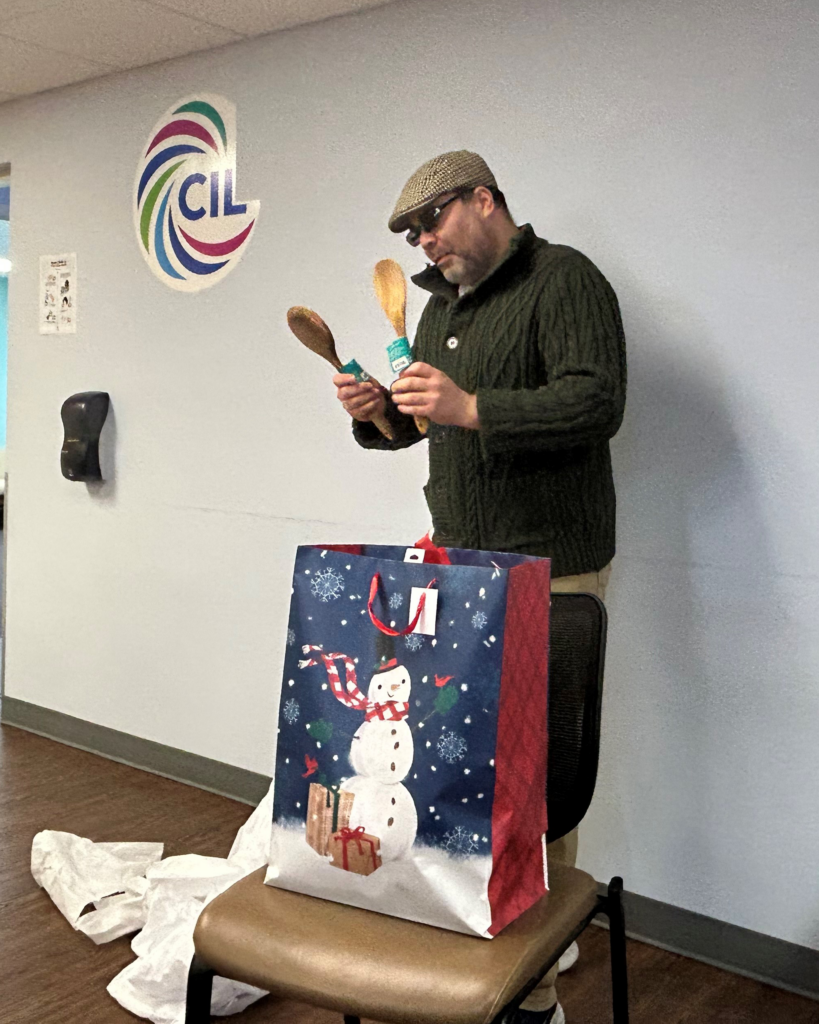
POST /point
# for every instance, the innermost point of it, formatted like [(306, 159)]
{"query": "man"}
[(520, 369)]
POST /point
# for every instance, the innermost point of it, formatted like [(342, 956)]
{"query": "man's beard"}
[(468, 270), (455, 270)]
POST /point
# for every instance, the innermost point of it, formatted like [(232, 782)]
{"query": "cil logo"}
[(191, 228)]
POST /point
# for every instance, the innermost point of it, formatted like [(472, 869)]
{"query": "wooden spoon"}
[(391, 289), (314, 334)]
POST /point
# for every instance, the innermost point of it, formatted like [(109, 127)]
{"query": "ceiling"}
[(48, 43)]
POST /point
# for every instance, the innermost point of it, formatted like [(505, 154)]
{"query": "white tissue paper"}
[(133, 890)]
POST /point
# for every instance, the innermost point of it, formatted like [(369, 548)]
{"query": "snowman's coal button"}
[(397, 745), (393, 732), (393, 801), (452, 342), (392, 767), (390, 821)]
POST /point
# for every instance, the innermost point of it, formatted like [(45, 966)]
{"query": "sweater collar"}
[(432, 280)]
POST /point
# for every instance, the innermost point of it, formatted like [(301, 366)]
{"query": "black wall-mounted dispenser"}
[(83, 417)]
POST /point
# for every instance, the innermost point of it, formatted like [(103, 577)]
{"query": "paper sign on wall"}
[(58, 294)]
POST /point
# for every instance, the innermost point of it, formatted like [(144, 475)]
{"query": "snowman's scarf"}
[(349, 694)]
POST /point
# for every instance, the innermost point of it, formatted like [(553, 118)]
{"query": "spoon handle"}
[(383, 425)]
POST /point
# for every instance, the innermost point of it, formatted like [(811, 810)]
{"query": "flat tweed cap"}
[(445, 173)]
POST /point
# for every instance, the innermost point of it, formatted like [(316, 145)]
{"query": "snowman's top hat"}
[(384, 653)]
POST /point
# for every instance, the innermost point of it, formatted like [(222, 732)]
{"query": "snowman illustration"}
[(381, 754), (381, 751)]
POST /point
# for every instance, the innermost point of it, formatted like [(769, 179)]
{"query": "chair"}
[(364, 964)]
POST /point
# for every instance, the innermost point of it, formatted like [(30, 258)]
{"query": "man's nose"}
[(428, 241)]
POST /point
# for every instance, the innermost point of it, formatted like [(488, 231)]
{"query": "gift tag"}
[(414, 555), (426, 620)]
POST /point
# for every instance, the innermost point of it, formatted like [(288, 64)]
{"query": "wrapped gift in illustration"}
[(353, 850), (328, 811)]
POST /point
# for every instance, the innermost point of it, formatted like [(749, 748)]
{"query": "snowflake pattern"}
[(479, 620), (396, 600), (414, 641), (291, 711), (451, 747), (459, 842), (327, 585), (291, 637)]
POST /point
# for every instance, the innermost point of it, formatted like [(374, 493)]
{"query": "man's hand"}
[(361, 400), (421, 390)]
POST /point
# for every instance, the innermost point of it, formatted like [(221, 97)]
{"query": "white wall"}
[(675, 144)]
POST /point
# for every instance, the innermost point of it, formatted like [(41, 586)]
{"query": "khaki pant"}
[(564, 851)]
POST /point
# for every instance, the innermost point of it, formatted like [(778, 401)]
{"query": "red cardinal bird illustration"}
[(312, 766), (442, 680)]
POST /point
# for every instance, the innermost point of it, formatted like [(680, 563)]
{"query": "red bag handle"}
[(387, 629)]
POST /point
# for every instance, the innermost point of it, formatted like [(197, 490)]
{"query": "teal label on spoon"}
[(399, 354), (355, 369)]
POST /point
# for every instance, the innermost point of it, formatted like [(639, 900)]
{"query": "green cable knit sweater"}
[(540, 342)]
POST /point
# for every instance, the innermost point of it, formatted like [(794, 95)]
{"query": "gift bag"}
[(411, 762)]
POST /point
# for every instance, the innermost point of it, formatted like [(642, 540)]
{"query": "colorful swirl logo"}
[(191, 230)]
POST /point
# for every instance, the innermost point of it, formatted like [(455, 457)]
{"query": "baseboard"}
[(740, 950), (180, 765), (727, 946)]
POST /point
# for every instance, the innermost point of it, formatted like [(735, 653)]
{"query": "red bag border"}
[(518, 827)]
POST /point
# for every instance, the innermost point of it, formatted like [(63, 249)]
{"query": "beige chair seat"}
[(369, 965)]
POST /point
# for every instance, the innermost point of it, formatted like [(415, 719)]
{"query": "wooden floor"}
[(51, 973)]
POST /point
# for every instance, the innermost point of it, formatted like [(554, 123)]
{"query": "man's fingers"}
[(361, 402), (406, 385), (347, 380), (346, 392), (413, 401), (412, 410), (418, 370)]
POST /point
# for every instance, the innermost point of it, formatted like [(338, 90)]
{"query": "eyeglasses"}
[(428, 219)]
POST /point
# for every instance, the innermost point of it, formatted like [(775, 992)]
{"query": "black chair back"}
[(577, 647)]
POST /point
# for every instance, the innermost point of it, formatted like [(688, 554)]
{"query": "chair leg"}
[(200, 985), (617, 934)]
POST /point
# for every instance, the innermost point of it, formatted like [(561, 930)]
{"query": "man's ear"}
[(486, 201)]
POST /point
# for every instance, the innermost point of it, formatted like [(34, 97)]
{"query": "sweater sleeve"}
[(582, 348)]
